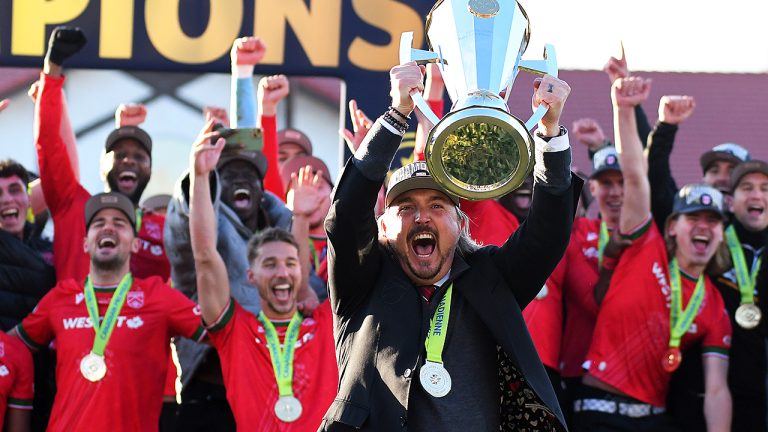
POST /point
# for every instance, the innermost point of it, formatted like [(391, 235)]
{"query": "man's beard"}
[(420, 273), (135, 197), (108, 265)]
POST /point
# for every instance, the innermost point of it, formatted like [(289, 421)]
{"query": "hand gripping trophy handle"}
[(547, 66)]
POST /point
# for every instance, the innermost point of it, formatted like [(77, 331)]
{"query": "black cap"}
[(113, 200), (748, 167), (129, 132), (697, 197), (605, 159), (415, 175), (255, 158), (730, 152)]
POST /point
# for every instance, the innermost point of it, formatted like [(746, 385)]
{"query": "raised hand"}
[(218, 114), (676, 109), (588, 132), (616, 68), (434, 86), (271, 91), (64, 43), (361, 124), (552, 92), (130, 114), (403, 79), (247, 51), (305, 195), (4, 104), (205, 154), (630, 92)]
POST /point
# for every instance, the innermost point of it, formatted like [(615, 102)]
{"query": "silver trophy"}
[(478, 150)]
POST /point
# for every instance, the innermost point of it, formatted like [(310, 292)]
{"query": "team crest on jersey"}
[(135, 299), (153, 230), (79, 297), (4, 370)]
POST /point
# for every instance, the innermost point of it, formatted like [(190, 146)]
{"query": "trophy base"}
[(479, 153)]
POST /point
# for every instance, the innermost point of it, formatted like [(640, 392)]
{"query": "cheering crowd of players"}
[(650, 321)]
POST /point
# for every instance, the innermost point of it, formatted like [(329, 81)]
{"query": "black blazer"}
[(377, 310)]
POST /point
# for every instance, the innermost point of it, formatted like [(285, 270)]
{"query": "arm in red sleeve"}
[(272, 181)]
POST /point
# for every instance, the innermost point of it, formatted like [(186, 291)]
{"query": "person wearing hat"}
[(112, 330), (262, 397), (659, 302), (243, 209), (292, 143), (125, 167), (389, 280), (314, 205)]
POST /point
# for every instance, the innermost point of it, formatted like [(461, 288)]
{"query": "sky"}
[(658, 35)]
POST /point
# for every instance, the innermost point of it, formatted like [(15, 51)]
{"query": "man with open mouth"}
[(418, 269), (126, 167)]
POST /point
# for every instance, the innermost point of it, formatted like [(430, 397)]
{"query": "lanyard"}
[(601, 242), (438, 328), (746, 281), (104, 330), (680, 320), (139, 216), (282, 358)]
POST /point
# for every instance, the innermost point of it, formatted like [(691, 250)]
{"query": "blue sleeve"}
[(243, 103)]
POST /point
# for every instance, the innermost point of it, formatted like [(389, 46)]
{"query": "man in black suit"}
[(417, 274)]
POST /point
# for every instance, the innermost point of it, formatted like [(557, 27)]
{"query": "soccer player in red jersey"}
[(659, 301), (279, 368), (16, 384), (110, 376)]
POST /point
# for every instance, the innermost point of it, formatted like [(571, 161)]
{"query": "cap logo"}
[(610, 160), (292, 134), (108, 199), (706, 199)]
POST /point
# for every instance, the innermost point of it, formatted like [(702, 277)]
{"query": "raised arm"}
[(673, 110), (272, 90), (213, 289), (625, 94)]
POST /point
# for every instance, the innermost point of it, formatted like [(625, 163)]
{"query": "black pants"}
[(204, 408), (595, 421)]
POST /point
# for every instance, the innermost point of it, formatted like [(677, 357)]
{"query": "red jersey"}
[(632, 331), (544, 317), (319, 257), (16, 376), (250, 380), (66, 198), (489, 222), (129, 398)]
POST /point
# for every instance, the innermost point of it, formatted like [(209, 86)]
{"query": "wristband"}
[(403, 116), (395, 123)]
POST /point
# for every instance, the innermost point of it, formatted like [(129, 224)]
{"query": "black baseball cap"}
[(730, 152), (415, 175), (129, 132), (697, 197), (605, 159), (253, 157), (113, 200)]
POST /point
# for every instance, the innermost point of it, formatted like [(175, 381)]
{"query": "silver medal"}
[(435, 379), (288, 409), (93, 367), (748, 316)]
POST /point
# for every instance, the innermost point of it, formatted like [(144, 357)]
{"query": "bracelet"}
[(403, 116), (395, 123)]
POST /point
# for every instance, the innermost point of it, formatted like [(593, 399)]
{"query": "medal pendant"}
[(288, 409), (671, 360), (435, 379), (93, 367), (748, 316)]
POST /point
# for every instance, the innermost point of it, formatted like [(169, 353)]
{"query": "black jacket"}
[(377, 308)]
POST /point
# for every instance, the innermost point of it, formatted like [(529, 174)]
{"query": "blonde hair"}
[(717, 265)]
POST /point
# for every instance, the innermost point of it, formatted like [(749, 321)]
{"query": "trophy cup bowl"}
[(478, 150)]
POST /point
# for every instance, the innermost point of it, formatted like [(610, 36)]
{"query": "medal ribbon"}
[(746, 281), (601, 242), (315, 258), (282, 358), (680, 320), (104, 329), (139, 216), (438, 328)]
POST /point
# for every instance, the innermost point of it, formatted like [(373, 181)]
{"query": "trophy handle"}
[(548, 66), (409, 54)]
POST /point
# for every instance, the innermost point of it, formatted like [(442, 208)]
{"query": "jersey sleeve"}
[(272, 180), (22, 392), (717, 340), (184, 317), (36, 330), (221, 330)]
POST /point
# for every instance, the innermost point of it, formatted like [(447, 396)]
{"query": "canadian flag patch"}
[(135, 299)]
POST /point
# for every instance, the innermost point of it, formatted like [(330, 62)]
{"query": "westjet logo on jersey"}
[(591, 236), (658, 271), (85, 322), (590, 252)]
